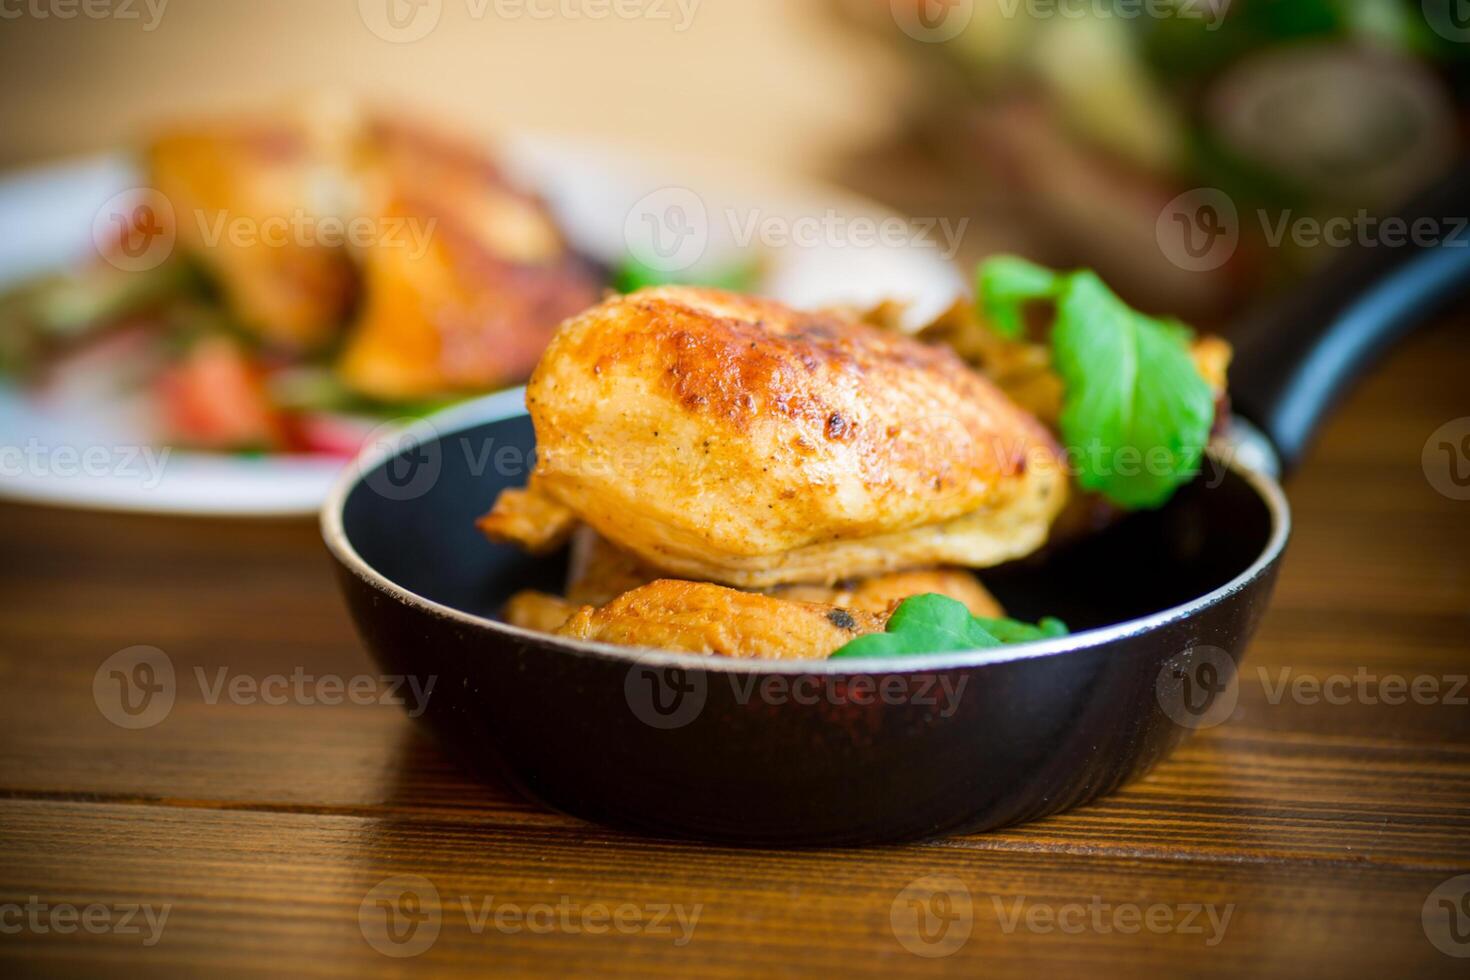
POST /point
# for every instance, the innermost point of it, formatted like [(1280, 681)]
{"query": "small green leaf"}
[(1013, 631), (632, 275), (938, 624), (1005, 284), (1136, 413)]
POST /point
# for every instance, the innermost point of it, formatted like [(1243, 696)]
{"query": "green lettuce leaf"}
[(1136, 414), (938, 624)]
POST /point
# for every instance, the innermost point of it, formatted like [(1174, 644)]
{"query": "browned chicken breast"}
[(733, 439), (698, 617), (601, 571), (437, 273)]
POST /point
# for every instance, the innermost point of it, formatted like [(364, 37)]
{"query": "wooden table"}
[(1322, 828)]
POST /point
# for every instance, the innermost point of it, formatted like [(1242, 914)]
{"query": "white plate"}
[(820, 246)]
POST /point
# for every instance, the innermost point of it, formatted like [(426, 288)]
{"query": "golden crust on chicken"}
[(736, 440), (699, 617)]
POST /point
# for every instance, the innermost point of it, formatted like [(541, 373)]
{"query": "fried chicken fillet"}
[(735, 440), (601, 573), (698, 617)]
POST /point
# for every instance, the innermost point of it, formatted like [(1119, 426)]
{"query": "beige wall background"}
[(770, 83)]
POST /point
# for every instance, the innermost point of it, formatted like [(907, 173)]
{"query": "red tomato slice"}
[(216, 399)]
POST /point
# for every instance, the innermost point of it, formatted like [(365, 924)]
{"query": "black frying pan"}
[(831, 752)]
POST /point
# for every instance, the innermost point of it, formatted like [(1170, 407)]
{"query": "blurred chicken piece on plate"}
[(436, 274), (234, 185), (476, 282)]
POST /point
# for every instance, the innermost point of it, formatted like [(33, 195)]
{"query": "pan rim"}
[(509, 404)]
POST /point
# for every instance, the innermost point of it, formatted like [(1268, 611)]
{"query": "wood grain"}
[(1324, 827)]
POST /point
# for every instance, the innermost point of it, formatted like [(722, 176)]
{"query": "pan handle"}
[(1297, 358)]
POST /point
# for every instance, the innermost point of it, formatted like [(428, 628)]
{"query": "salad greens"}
[(53, 311), (1136, 414), (740, 277), (938, 624)]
